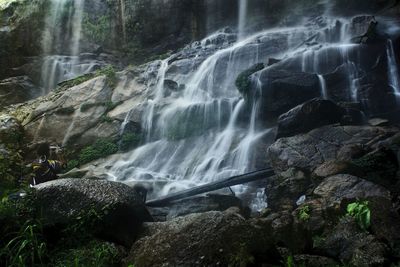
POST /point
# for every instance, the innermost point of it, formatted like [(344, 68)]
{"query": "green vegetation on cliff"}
[(243, 82)]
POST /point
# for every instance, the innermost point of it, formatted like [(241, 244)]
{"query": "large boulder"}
[(308, 151), (61, 201), (11, 131), (307, 116), (16, 90), (350, 244), (211, 238), (196, 204), (282, 90), (343, 187)]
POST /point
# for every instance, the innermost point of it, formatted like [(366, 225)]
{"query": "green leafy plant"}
[(289, 261), (97, 29), (361, 212), (243, 81), (73, 163), (304, 213), (100, 149), (110, 74), (129, 141), (27, 248), (93, 253)]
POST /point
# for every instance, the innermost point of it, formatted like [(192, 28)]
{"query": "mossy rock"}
[(243, 81)]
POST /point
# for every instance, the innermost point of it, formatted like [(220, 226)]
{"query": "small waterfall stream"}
[(393, 74), (203, 130), (242, 19), (61, 44)]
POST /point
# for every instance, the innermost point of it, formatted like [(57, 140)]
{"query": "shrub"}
[(72, 164), (76, 81), (109, 72), (99, 149), (304, 213), (93, 253), (361, 213), (129, 141), (243, 81)]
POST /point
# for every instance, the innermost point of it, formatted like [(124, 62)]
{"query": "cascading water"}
[(393, 74), (61, 44), (206, 131), (242, 18)]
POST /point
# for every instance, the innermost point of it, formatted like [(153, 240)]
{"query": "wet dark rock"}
[(220, 238), (61, 201), (197, 204), (11, 131), (288, 231), (283, 90), (308, 151), (378, 122), (307, 116), (333, 167), (16, 90), (349, 243), (341, 187), (380, 166), (286, 188), (314, 260), (171, 85), (378, 99)]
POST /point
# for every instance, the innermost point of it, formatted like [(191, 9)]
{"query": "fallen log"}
[(231, 181)]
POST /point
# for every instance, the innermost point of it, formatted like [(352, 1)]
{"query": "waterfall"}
[(123, 19), (322, 82), (61, 44), (205, 130), (242, 19), (394, 79)]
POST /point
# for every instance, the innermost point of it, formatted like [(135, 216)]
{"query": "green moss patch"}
[(243, 81)]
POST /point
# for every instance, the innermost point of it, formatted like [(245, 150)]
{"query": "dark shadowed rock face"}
[(307, 116), (61, 201), (16, 90), (340, 187), (282, 90), (308, 151), (206, 239), (196, 204)]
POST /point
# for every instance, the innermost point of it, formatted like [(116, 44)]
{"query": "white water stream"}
[(61, 44), (199, 134)]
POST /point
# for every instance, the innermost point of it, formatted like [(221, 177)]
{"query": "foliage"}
[(99, 149), (108, 105), (304, 213), (76, 81), (129, 141), (110, 73), (11, 168), (242, 258), (73, 163), (93, 253), (361, 212), (106, 119), (98, 29), (22, 242), (27, 247), (289, 261), (243, 81)]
